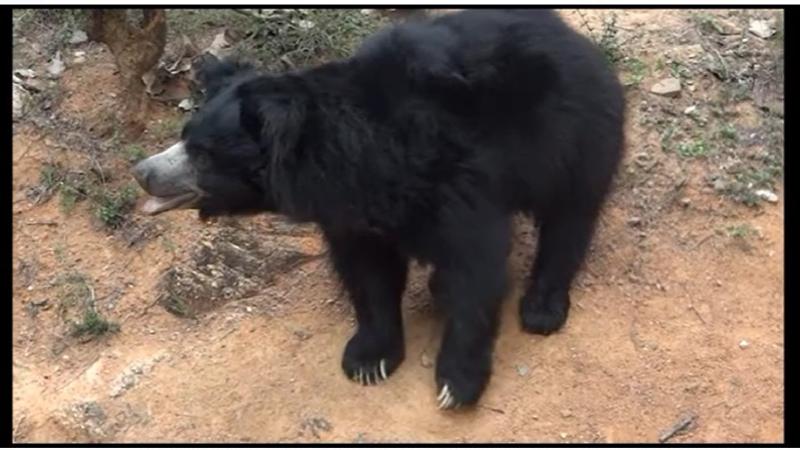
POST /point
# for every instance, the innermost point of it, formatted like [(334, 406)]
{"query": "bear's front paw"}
[(544, 313), (460, 382), (370, 359)]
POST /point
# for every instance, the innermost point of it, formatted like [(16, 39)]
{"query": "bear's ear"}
[(275, 122), (214, 74)]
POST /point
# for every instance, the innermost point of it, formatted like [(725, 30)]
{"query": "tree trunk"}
[(136, 50)]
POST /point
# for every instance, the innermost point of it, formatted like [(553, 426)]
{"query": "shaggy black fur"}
[(423, 145)]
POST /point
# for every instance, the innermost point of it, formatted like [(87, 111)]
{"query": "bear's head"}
[(223, 161)]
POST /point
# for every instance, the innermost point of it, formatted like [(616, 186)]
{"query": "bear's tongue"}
[(154, 205)]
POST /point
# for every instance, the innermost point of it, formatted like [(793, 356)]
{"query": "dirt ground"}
[(678, 314)]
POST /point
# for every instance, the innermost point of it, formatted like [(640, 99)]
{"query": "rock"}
[(767, 195), (19, 101), (56, 67), (306, 24), (762, 28), (25, 73), (79, 60), (743, 344), (186, 104), (635, 221), (720, 185), (686, 201), (565, 413), (523, 370), (425, 360), (668, 87), (726, 27), (690, 110), (78, 37)]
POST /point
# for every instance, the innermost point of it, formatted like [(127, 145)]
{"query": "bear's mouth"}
[(170, 179), (156, 205)]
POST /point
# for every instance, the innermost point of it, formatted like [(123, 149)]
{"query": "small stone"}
[(56, 67), (743, 344), (79, 60), (306, 24), (720, 185), (726, 27), (249, 309), (563, 435), (186, 104), (668, 87), (19, 102), (25, 73), (78, 37), (762, 28), (718, 283), (635, 221), (523, 370), (425, 360), (151, 331), (690, 110), (566, 413), (686, 202), (767, 195)]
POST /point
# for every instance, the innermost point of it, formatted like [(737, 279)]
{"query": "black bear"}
[(421, 145)]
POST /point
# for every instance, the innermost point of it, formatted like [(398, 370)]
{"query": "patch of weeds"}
[(747, 180), (666, 139), (679, 70), (60, 252), (56, 25), (607, 38), (743, 230), (168, 244), (728, 132), (175, 305), (93, 324), (697, 148), (111, 207), (706, 24), (50, 175), (303, 37), (72, 186), (73, 190), (636, 69), (77, 307), (168, 128), (134, 153)]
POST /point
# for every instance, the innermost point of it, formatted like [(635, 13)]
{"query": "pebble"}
[(566, 413), (635, 221), (686, 201), (523, 370), (78, 37), (743, 344), (425, 360), (668, 87), (767, 195), (762, 28), (56, 66), (690, 110)]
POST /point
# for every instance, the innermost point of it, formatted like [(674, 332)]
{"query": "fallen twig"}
[(43, 222), (497, 410), (697, 313), (680, 426)]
